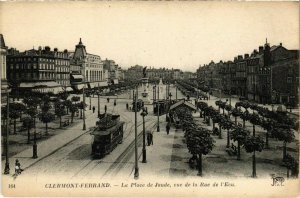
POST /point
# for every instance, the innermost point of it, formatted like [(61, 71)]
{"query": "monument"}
[(145, 85)]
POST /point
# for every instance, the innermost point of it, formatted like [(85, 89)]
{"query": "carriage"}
[(107, 135)]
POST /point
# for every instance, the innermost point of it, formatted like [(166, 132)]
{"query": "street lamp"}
[(136, 168), (98, 100), (34, 146), (84, 127), (158, 109), (176, 90), (90, 101), (6, 169), (143, 114)]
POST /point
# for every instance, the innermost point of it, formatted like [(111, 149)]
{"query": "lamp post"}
[(6, 169), (154, 96), (34, 146), (230, 97), (90, 101), (143, 114), (98, 100), (136, 168), (176, 89), (158, 109), (83, 113)]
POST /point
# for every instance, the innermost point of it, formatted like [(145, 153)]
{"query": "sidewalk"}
[(49, 146), (158, 155)]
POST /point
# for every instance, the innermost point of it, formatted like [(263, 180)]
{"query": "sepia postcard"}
[(149, 99)]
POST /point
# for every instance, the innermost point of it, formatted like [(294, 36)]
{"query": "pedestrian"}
[(168, 128), (94, 109), (105, 108), (151, 138), (127, 106), (107, 100), (18, 169), (148, 138)]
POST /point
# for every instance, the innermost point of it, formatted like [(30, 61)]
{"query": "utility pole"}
[(158, 129), (136, 168), (7, 169), (90, 101), (34, 146), (143, 114)]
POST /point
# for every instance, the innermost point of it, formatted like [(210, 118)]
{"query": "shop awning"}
[(77, 76), (39, 84), (68, 89)]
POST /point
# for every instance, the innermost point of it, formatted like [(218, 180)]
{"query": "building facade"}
[(91, 65), (4, 84), (257, 77), (42, 65)]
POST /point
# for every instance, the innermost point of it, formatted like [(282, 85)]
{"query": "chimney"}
[(261, 49), (246, 56), (255, 52), (240, 57), (235, 59), (280, 44), (47, 49)]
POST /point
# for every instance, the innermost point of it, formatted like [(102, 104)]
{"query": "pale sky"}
[(160, 34)]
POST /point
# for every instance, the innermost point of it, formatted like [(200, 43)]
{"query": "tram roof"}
[(101, 132)]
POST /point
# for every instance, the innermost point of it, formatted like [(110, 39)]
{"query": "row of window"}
[(35, 66)]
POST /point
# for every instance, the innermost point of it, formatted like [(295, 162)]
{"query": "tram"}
[(108, 133)]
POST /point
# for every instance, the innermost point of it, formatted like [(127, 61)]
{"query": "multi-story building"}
[(134, 73), (4, 84), (38, 68), (270, 74), (90, 64)]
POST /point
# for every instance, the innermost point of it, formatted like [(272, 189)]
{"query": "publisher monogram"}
[(277, 181)]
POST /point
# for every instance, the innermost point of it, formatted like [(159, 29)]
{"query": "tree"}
[(236, 112), (245, 116), (267, 124), (253, 106), (216, 119), (14, 113), (59, 111), (75, 99), (227, 124), (222, 106), (228, 108), (73, 110), (201, 106), (46, 117), (251, 145), (255, 120), (291, 164), (67, 104), (64, 95), (239, 134), (32, 101), (46, 106), (199, 143), (81, 106), (285, 134), (29, 124), (245, 104), (218, 103)]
